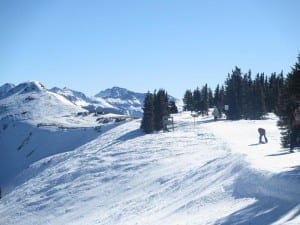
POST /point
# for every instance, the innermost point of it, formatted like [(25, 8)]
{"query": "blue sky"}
[(144, 45)]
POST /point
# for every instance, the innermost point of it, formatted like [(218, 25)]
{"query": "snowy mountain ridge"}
[(30, 86), (5, 88), (130, 103), (76, 97), (122, 93), (112, 100), (91, 104), (32, 101)]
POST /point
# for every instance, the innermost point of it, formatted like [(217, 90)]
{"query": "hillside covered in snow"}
[(36, 122), (59, 166)]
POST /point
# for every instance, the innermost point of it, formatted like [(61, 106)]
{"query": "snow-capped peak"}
[(129, 102), (32, 101), (118, 92), (5, 88), (26, 87), (76, 97)]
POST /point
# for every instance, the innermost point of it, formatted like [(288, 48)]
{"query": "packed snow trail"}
[(189, 176)]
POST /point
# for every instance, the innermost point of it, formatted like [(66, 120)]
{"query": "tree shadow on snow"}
[(131, 135), (211, 120), (264, 211), (276, 198), (256, 144), (294, 172), (285, 151), (280, 153), (125, 137)]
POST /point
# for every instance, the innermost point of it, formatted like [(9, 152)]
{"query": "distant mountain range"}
[(112, 100)]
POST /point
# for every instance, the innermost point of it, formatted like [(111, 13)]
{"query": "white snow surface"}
[(203, 172)]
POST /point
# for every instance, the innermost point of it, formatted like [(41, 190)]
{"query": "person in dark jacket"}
[(295, 127), (262, 133)]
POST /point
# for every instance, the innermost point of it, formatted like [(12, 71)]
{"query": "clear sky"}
[(144, 45)]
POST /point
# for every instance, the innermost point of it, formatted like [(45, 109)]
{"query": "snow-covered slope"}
[(204, 172), (35, 123), (32, 101), (76, 97)]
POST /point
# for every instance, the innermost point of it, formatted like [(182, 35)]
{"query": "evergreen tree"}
[(148, 117), (188, 101), (221, 98), (217, 97), (197, 100), (273, 92), (233, 94), (172, 107), (289, 97), (258, 98), (210, 98), (161, 108), (247, 95), (204, 100)]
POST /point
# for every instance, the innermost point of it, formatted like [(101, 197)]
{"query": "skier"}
[(262, 133), (295, 127), (215, 113)]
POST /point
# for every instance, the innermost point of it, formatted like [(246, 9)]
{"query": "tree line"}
[(245, 96), (199, 100)]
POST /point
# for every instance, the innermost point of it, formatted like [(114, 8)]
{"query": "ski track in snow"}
[(189, 176)]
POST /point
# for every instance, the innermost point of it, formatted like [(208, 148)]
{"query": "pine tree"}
[(221, 98), (259, 107), (289, 97), (210, 98), (161, 108), (217, 98), (148, 117), (247, 95), (273, 92), (204, 100), (233, 94), (172, 107), (188, 101), (197, 100)]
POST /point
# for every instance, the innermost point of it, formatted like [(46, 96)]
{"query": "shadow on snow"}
[(270, 208)]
